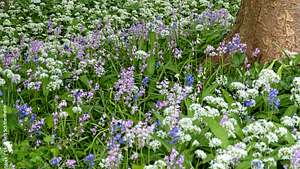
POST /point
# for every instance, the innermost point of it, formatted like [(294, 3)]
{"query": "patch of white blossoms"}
[(230, 156), (265, 79)]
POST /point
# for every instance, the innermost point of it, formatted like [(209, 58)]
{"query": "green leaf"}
[(244, 165), (284, 100), (47, 139), (134, 166), (289, 138), (55, 151), (208, 158), (218, 131), (84, 79), (150, 66), (227, 96), (290, 110), (238, 59), (207, 91), (44, 87), (280, 69), (49, 121)]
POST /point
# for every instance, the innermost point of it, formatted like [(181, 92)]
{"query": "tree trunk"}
[(270, 25)]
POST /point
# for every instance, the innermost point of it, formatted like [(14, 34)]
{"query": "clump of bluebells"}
[(121, 84)]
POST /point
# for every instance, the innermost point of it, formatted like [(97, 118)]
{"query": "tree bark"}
[(270, 25)]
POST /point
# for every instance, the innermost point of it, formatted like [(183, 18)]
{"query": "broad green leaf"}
[(291, 110), (49, 121), (135, 166), (208, 158), (208, 90), (244, 165), (284, 100), (238, 59), (227, 96), (280, 69), (84, 79), (150, 66), (44, 87), (218, 131)]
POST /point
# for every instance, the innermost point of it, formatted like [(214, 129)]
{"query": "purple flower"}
[(161, 104), (125, 85), (295, 161), (85, 117), (33, 117), (49, 26), (224, 119), (177, 53), (233, 46), (256, 52), (36, 45), (37, 126), (113, 158), (1, 93), (71, 163), (174, 160), (55, 161)]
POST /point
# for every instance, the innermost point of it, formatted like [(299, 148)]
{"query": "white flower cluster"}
[(155, 145), (263, 130), (206, 111), (157, 165), (2, 82), (200, 154), (237, 108), (186, 124), (8, 146), (216, 101), (15, 78), (291, 122), (222, 80), (230, 156), (243, 92), (266, 78)]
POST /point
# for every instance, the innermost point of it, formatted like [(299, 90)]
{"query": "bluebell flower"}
[(145, 81), (89, 160), (23, 111), (174, 134), (249, 103), (273, 99), (189, 79), (1, 93), (55, 161), (33, 117)]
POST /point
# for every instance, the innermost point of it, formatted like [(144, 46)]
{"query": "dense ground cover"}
[(125, 84)]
